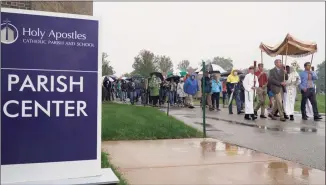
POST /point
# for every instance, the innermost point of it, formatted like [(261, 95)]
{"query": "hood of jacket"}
[(232, 78)]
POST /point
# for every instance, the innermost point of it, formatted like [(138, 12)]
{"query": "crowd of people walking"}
[(280, 86)]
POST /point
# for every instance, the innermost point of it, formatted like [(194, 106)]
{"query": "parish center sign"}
[(50, 118)]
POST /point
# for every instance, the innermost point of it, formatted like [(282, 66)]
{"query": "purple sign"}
[(49, 87)]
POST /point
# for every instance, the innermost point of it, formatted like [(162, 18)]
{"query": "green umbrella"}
[(169, 74), (183, 73)]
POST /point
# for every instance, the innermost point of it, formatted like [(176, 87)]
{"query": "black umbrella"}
[(174, 77), (229, 72), (158, 74)]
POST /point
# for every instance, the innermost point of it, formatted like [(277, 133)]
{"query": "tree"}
[(225, 63), (106, 68), (128, 75), (183, 65), (145, 63), (320, 83), (164, 64)]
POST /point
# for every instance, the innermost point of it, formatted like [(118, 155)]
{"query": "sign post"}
[(50, 98), (204, 100)]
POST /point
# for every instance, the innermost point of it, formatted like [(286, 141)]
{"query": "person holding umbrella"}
[(207, 89)]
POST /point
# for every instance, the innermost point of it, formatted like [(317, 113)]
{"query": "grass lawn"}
[(127, 122), (105, 163), (320, 103)]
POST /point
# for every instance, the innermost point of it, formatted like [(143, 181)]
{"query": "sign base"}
[(106, 177)]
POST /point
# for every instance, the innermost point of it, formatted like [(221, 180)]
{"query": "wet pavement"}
[(298, 141), (199, 161)]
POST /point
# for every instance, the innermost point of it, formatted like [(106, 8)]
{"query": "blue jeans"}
[(123, 96), (171, 97), (236, 97), (133, 95)]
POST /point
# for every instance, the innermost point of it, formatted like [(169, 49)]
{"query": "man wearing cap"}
[(261, 91), (307, 88), (277, 83), (250, 86)]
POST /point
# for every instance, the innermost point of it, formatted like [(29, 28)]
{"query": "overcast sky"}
[(198, 30)]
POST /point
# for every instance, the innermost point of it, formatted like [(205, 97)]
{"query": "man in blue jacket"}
[(190, 88), (308, 91)]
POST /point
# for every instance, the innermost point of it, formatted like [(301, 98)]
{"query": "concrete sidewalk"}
[(192, 161), (299, 141)]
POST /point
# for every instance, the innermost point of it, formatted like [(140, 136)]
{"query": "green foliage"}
[(145, 63), (184, 65), (127, 75), (225, 63), (125, 122), (320, 83), (106, 68), (164, 64)]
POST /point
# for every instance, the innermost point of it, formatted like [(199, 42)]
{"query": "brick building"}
[(74, 7)]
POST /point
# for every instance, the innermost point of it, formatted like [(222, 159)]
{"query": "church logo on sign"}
[(9, 32)]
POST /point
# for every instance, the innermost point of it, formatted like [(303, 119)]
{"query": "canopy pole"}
[(286, 56), (312, 57), (261, 56)]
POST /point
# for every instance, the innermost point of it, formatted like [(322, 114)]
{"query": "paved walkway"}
[(192, 161), (299, 141)]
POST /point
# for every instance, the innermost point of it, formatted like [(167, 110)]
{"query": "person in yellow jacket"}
[(233, 89)]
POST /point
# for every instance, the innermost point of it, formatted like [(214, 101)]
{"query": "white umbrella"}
[(110, 79), (216, 67), (199, 71)]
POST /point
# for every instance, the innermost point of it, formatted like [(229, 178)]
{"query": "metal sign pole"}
[(204, 100)]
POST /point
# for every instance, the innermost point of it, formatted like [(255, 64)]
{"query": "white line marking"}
[(75, 71)]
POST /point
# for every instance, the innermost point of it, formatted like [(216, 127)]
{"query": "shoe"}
[(317, 118), (276, 115), (218, 109), (263, 116), (272, 116), (304, 117), (239, 112), (230, 112), (211, 109), (291, 117), (282, 119), (255, 112), (246, 117), (191, 107), (253, 117), (286, 116)]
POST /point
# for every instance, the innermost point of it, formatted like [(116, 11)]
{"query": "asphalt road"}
[(299, 141)]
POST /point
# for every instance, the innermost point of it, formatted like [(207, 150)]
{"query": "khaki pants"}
[(278, 98), (189, 100), (209, 99), (261, 93)]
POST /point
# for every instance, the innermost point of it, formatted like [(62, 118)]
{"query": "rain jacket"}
[(216, 86), (232, 81), (191, 86), (154, 86), (207, 86)]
